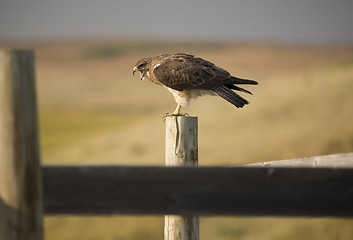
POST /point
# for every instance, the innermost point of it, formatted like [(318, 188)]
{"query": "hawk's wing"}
[(184, 71)]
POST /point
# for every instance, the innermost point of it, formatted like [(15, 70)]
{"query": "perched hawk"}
[(187, 76)]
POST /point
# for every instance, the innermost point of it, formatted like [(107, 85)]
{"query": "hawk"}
[(187, 76)]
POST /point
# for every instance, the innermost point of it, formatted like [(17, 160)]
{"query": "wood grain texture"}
[(199, 191), (20, 172), (181, 141), (181, 150)]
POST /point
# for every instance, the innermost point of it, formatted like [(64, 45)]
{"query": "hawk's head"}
[(142, 66)]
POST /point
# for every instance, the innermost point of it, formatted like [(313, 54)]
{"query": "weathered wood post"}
[(20, 176), (181, 150)]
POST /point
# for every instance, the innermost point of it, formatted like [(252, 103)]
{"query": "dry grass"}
[(92, 111)]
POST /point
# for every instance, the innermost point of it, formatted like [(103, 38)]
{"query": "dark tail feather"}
[(235, 80), (230, 96), (238, 88)]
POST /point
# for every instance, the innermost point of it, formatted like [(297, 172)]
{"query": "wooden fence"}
[(198, 191), (320, 186), (20, 172)]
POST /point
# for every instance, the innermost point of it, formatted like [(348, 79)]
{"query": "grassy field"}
[(93, 111)]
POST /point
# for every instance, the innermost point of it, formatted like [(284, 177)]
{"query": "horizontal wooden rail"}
[(202, 190), (342, 160)]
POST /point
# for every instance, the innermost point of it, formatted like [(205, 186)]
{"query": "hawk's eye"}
[(142, 65)]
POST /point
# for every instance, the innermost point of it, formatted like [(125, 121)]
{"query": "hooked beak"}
[(142, 74)]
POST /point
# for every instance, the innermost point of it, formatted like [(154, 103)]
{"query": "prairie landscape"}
[(93, 111)]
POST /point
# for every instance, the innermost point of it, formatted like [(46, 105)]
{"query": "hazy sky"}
[(326, 21)]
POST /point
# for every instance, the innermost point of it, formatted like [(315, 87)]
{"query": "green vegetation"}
[(104, 52), (94, 112), (61, 129)]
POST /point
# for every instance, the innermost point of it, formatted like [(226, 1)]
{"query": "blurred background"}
[(93, 111)]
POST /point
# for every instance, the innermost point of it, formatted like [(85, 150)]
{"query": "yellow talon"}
[(176, 112)]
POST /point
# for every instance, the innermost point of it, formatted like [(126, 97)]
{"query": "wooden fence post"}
[(181, 150), (20, 176)]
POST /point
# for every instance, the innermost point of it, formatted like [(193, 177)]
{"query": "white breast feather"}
[(183, 97)]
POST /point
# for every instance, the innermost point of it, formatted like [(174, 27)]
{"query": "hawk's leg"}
[(176, 112)]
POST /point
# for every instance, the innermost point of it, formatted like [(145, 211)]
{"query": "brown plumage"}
[(187, 76)]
